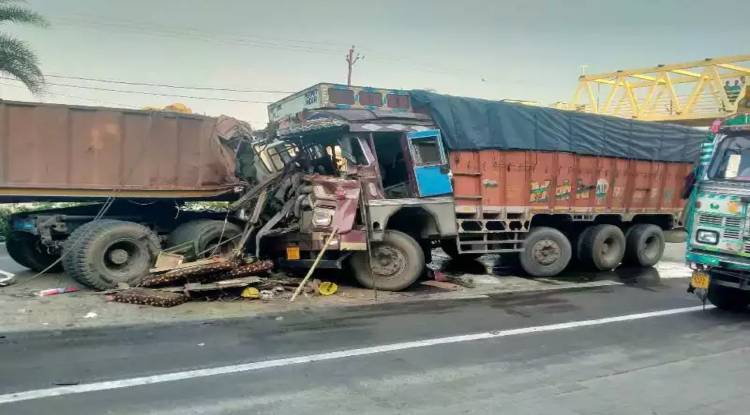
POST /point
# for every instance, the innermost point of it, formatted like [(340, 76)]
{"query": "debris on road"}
[(443, 285), (55, 291), (149, 296), (327, 288), (91, 314), (7, 279)]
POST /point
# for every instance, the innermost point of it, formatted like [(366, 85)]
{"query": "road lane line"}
[(290, 361)]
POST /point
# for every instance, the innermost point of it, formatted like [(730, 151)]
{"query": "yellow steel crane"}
[(692, 93)]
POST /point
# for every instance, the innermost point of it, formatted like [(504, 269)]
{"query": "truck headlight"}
[(707, 237), (322, 217)]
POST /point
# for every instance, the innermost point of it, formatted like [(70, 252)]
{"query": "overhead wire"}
[(122, 91), (172, 86)]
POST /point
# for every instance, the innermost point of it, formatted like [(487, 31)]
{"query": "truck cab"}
[(376, 177), (718, 246)]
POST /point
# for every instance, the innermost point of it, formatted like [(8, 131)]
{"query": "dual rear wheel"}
[(548, 252)]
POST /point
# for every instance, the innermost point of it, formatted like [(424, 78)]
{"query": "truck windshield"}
[(732, 159)]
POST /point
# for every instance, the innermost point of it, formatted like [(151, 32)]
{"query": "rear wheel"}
[(602, 246), (397, 262), (206, 234), (726, 298), (450, 247), (645, 245), (28, 250), (546, 252), (106, 252)]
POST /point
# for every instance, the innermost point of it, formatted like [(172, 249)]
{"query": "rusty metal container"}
[(50, 151), (557, 182)]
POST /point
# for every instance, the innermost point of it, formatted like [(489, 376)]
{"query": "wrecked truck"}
[(355, 178), (391, 174)]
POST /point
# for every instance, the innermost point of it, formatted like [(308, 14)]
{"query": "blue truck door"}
[(430, 164)]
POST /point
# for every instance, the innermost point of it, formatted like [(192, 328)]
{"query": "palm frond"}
[(18, 61), (15, 14)]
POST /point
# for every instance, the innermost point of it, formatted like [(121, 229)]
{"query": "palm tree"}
[(16, 59)]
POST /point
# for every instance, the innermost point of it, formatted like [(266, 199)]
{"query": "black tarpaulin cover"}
[(478, 124)]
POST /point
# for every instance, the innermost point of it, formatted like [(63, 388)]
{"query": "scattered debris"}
[(327, 288), (201, 344), (167, 261), (147, 296), (443, 285), (91, 314), (7, 278), (220, 285), (266, 295), (251, 293), (55, 291)]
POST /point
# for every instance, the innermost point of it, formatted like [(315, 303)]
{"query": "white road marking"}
[(290, 361)]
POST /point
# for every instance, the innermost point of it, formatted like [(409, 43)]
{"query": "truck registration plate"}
[(292, 253), (699, 279)]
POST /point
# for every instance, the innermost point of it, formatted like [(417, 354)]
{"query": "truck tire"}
[(546, 252), (205, 233), (27, 250), (397, 262), (106, 252), (450, 247), (602, 246), (726, 298), (644, 245)]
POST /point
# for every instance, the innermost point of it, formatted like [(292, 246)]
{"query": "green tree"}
[(16, 59)]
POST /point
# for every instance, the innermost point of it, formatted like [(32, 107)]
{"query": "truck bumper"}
[(724, 270)]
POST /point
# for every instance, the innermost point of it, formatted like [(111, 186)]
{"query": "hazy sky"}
[(529, 49)]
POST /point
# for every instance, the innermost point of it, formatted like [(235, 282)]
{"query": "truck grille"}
[(711, 220), (732, 227)]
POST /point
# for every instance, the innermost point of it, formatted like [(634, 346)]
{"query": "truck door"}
[(430, 164)]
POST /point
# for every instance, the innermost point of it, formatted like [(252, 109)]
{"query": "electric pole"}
[(350, 61)]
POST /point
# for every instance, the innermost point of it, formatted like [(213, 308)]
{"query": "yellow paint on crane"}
[(693, 93)]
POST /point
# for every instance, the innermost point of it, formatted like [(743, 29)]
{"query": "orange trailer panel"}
[(554, 182)]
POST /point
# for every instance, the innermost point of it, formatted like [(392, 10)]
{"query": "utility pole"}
[(350, 61)]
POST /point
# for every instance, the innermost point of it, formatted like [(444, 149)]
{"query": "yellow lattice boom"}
[(692, 93)]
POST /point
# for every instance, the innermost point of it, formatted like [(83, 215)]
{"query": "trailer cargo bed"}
[(54, 152)]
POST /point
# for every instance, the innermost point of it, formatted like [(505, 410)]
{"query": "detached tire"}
[(397, 262), (546, 252), (27, 250), (204, 234), (602, 246), (450, 247), (726, 298), (645, 245), (105, 252)]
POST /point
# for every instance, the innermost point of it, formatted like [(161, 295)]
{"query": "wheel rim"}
[(546, 251), (651, 246), (122, 255), (387, 261), (610, 248)]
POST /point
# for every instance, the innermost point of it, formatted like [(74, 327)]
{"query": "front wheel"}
[(546, 252), (27, 250), (397, 262), (726, 298)]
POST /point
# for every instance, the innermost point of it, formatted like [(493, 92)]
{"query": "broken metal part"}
[(147, 296)]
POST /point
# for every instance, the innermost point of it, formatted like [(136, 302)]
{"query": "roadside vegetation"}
[(16, 58)]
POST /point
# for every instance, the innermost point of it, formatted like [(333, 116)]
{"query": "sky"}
[(502, 49)]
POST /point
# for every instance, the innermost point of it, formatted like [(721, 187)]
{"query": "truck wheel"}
[(602, 246), (726, 298), (397, 262), (546, 252), (27, 250), (644, 245), (450, 247), (205, 234), (105, 252)]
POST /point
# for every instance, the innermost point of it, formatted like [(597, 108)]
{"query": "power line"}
[(197, 88), (121, 91)]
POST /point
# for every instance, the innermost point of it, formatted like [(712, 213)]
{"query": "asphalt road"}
[(589, 351)]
